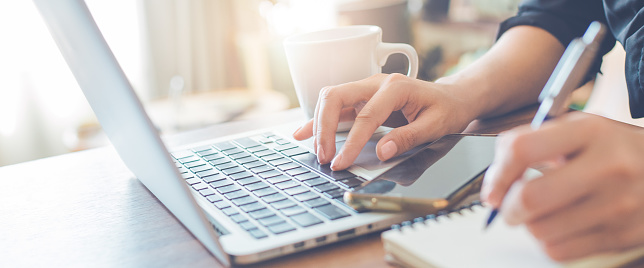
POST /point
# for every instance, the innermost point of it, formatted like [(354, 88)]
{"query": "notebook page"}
[(458, 240)]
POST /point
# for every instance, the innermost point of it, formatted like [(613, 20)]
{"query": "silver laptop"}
[(248, 197)]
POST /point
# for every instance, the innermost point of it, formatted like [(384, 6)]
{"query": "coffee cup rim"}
[(293, 39)]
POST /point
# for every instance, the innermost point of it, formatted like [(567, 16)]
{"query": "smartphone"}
[(438, 176)]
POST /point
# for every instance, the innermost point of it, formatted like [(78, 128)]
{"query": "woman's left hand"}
[(590, 200)]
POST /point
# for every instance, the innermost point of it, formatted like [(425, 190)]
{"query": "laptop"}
[(246, 198)]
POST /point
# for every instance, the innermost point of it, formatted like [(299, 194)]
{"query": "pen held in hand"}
[(567, 76)]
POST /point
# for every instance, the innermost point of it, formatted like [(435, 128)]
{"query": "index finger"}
[(333, 101), (521, 147), (386, 100)]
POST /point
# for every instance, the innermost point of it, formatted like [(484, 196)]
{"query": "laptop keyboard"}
[(267, 184)]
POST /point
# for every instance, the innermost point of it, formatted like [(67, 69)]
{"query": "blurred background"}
[(201, 62)]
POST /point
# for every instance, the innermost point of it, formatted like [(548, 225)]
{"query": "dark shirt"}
[(567, 19)]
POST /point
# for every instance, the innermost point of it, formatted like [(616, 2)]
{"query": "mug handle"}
[(386, 49)]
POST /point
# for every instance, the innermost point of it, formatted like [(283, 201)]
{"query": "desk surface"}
[(86, 209)]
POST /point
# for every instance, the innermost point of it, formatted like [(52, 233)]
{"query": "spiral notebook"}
[(457, 239)]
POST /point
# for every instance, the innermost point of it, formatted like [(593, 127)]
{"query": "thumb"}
[(402, 139)]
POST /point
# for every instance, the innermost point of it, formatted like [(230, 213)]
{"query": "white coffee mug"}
[(336, 56)]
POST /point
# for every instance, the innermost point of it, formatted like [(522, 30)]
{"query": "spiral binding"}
[(434, 217)]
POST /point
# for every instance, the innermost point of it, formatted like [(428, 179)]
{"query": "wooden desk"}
[(86, 209)]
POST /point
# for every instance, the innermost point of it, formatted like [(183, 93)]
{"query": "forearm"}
[(509, 76)]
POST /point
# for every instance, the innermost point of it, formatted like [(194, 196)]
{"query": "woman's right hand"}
[(429, 111)]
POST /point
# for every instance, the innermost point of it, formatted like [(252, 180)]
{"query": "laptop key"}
[(306, 219), (272, 220), (219, 161), (206, 173), (264, 192), (248, 180), (278, 179), (253, 164), (241, 175), (351, 182), (246, 225), (273, 198), (257, 233), (306, 176), (281, 141), (288, 166), (272, 157), (264, 153), (261, 169), (295, 190), (316, 202), (195, 164), (233, 170), (221, 183), (257, 149), (193, 180), (206, 192), (252, 207), (237, 218), (233, 151), (200, 168), (222, 204), (247, 142), (287, 184), (331, 212), (204, 151), (214, 198), (240, 155), (199, 186), (337, 193), (297, 171), (305, 196), (187, 176), (316, 181), (268, 134), (285, 147), (262, 213), (256, 186), (213, 178), (245, 160), (243, 201), (270, 173), (289, 212), (295, 151), (229, 211), (226, 165), (326, 187), (213, 157), (235, 194), (281, 228), (283, 204), (281, 161), (228, 189), (222, 146)]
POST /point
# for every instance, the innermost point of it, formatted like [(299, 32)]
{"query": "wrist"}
[(473, 102)]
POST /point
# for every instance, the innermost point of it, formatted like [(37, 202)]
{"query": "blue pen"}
[(567, 76)]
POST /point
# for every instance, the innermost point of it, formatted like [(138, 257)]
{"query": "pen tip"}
[(490, 218)]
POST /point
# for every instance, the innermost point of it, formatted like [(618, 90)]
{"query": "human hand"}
[(431, 110), (590, 198)]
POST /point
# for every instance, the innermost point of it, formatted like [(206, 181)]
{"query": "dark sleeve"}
[(564, 19), (626, 20)]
